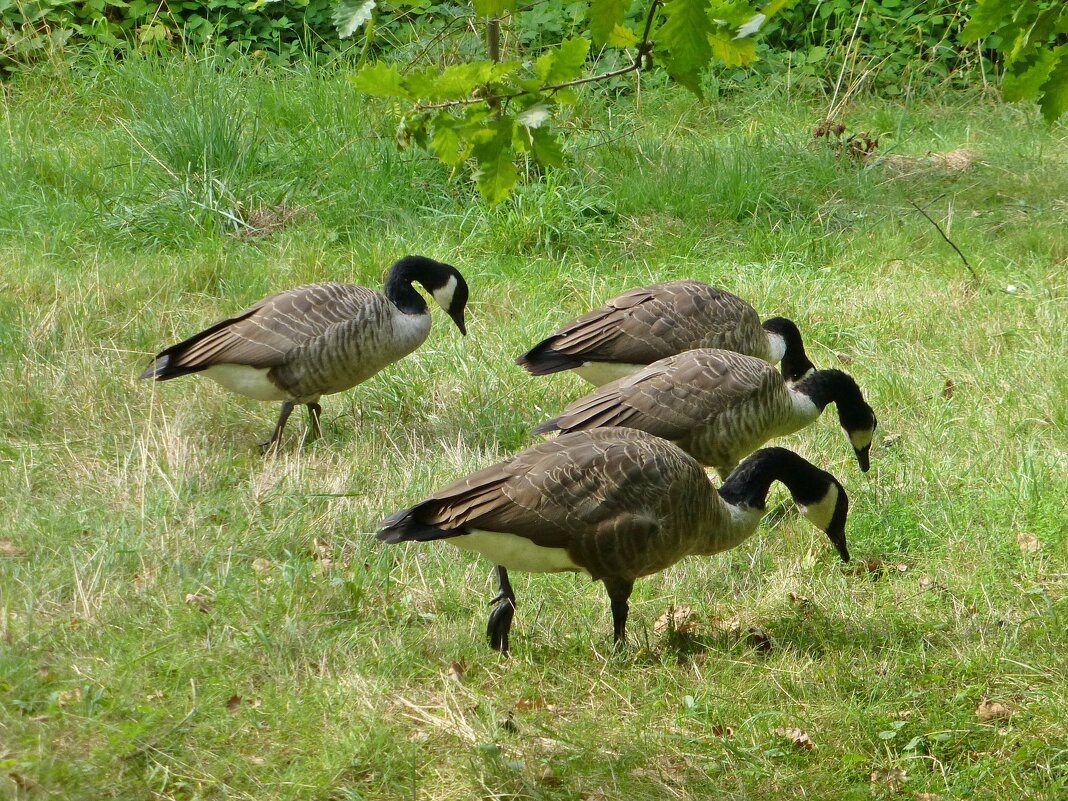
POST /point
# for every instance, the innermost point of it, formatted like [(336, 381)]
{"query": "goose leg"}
[(619, 592), (314, 410), (287, 409), (500, 619)]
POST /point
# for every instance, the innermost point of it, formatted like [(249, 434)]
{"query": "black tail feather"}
[(543, 360), (403, 526)]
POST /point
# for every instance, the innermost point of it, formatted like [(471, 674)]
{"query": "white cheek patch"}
[(861, 439), (443, 295), (821, 512), (515, 552), (777, 347)]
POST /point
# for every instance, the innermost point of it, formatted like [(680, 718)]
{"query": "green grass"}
[(311, 663)]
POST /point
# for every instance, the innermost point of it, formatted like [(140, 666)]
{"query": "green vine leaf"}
[(497, 172), (493, 8), (349, 15), (606, 23), (564, 63), (382, 80), (1054, 101)]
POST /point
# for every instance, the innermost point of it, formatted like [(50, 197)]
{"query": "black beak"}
[(838, 539), (863, 457), (458, 318)]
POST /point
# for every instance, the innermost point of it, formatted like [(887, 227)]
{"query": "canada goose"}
[(614, 503), (317, 339), (643, 325), (719, 406)]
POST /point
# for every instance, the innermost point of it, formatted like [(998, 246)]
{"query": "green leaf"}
[(1054, 100), (606, 23), (685, 37), (564, 63), (987, 17), (775, 6), (349, 15), (497, 172), (493, 8), (1024, 79), (445, 144), (732, 51), (535, 116), (546, 149), (382, 80)]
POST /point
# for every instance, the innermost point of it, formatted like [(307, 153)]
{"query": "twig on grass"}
[(952, 244)]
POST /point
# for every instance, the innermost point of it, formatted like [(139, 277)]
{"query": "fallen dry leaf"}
[(261, 565), (875, 568), (924, 583), (320, 550), (8, 548), (324, 566), (757, 638), (21, 781), (797, 738), (677, 618), (927, 797), (892, 777), (548, 778), (844, 358), (890, 440), (526, 704), (947, 389), (1029, 543), (456, 672), (199, 601), (233, 703), (799, 600), (992, 710), (65, 697)]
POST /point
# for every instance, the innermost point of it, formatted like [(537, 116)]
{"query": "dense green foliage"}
[(183, 620), (1033, 35), (30, 29)]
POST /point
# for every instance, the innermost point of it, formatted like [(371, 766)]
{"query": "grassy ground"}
[(183, 619)]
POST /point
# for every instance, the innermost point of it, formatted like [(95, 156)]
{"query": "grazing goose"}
[(719, 406), (613, 503), (317, 339), (643, 325)]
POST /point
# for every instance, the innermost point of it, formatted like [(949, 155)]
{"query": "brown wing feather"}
[(669, 398), (262, 335), (650, 323)]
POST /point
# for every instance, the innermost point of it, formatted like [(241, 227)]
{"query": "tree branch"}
[(644, 48)]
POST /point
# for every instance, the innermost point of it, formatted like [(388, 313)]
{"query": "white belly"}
[(252, 382), (600, 373), (515, 552)]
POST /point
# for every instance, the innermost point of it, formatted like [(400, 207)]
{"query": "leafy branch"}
[(644, 48), (488, 114), (1034, 44)]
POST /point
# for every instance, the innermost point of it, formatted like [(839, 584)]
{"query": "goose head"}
[(784, 339), (855, 415), (441, 280), (818, 494)]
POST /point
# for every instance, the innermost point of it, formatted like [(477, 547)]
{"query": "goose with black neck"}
[(318, 339), (614, 503), (720, 406)]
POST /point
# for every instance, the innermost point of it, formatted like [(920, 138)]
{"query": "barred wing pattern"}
[(623, 503), (644, 325), (717, 405)]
